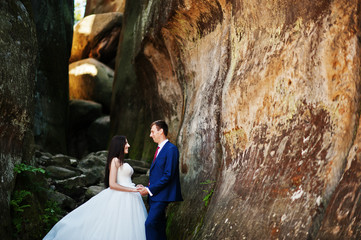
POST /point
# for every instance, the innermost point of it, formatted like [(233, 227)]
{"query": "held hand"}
[(140, 185), (143, 191)]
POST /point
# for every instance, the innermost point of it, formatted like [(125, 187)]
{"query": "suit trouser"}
[(155, 225)]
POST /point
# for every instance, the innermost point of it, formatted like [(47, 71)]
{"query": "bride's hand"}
[(140, 186)]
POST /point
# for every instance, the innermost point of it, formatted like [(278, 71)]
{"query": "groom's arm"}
[(171, 165)]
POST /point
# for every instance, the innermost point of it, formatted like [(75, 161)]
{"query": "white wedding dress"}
[(111, 214)]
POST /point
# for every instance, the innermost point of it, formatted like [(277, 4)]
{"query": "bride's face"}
[(126, 147)]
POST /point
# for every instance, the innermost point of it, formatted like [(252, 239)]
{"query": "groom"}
[(164, 185)]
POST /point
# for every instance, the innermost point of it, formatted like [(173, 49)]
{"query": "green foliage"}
[(17, 199), (209, 193), (207, 197), (169, 222), (208, 181), (29, 218), (51, 214), (18, 207), (19, 168)]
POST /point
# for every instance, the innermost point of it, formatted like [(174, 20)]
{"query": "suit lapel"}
[(161, 152)]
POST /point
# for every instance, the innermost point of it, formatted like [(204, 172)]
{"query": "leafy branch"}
[(18, 197), (208, 181), (27, 168), (207, 197), (209, 193)]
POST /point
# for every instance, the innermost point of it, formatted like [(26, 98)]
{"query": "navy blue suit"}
[(165, 186)]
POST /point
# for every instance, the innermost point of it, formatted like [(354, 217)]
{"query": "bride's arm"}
[(113, 179)]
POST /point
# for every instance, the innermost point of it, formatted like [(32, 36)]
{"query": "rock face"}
[(262, 98), (343, 215), (54, 30), (17, 44)]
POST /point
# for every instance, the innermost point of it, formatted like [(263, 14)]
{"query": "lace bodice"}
[(124, 175)]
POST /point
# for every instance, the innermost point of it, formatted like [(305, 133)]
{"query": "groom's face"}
[(156, 134)]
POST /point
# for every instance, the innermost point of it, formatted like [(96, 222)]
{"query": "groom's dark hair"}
[(161, 124)]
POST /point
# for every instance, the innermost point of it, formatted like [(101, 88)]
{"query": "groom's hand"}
[(143, 191)]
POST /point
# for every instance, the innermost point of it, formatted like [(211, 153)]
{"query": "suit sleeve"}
[(168, 173)]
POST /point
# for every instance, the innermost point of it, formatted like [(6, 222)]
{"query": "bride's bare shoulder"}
[(116, 162)]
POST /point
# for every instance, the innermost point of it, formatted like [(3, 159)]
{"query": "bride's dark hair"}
[(116, 150)]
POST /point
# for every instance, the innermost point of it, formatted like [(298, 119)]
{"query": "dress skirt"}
[(108, 215)]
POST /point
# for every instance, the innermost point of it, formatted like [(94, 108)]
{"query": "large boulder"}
[(61, 173), (98, 134), (92, 191), (104, 6), (97, 36), (54, 30), (57, 160), (262, 99), (75, 187), (18, 48), (92, 80), (64, 201), (93, 166), (82, 113)]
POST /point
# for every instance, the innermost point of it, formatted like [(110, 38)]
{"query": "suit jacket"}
[(164, 175)]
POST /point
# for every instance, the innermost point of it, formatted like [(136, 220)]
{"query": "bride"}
[(118, 212)]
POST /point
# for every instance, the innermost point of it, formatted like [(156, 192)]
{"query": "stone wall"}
[(18, 48), (262, 98)]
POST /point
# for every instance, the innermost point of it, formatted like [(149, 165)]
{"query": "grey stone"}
[(92, 191), (60, 173), (93, 166), (64, 201), (137, 163), (142, 179), (73, 187), (59, 160)]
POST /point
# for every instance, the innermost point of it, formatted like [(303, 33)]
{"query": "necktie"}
[(155, 155)]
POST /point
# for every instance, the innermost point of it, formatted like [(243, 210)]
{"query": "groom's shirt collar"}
[(161, 145)]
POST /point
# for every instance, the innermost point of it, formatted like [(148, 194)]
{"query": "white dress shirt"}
[(161, 145)]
